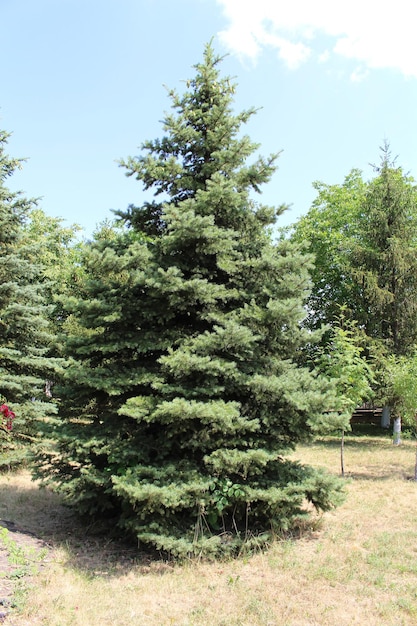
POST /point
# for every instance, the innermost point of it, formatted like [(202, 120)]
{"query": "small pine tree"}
[(184, 391), (24, 335)]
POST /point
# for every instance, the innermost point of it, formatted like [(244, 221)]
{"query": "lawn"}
[(354, 565)]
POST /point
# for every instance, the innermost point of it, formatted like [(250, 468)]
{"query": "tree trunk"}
[(415, 468), (342, 454), (397, 431), (386, 417)]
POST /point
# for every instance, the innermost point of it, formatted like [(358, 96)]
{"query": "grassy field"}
[(355, 565)]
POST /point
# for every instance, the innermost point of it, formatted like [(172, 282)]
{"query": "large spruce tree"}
[(183, 391), (25, 338)]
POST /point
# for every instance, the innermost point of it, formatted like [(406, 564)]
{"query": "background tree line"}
[(363, 235)]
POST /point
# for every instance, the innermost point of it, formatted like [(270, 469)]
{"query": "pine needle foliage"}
[(183, 391), (25, 337), (384, 260)]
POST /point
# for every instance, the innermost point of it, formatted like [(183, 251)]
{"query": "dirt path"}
[(18, 550)]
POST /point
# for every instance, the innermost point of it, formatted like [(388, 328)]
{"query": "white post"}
[(397, 431), (386, 417)]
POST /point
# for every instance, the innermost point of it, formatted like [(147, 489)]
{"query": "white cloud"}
[(292, 53), (324, 56), (376, 34), (359, 74)]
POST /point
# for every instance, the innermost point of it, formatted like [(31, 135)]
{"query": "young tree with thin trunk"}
[(341, 360)]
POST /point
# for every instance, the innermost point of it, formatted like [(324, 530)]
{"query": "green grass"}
[(353, 565)]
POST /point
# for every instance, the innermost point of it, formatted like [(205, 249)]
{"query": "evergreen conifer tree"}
[(184, 391), (384, 259), (25, 339)]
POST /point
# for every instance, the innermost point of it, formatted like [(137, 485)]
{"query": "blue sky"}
[(83, 86)]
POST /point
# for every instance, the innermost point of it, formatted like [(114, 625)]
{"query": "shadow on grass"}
[(366, 437), (97, 549), (93, 549), (374, 473)]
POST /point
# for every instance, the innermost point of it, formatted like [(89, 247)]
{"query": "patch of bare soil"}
[(35, 522), (13, 566)]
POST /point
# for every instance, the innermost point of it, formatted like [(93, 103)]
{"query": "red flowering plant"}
[(7, 417)]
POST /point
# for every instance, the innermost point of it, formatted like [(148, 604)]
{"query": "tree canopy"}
[(364, 239)]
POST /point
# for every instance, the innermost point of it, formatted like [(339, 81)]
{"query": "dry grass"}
[(359, 565)]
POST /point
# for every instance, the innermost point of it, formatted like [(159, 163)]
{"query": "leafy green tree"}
[(342, 361), (364, 239), (25, 338), (398, 390), (183, 391), (330, 231), (55, 250)]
